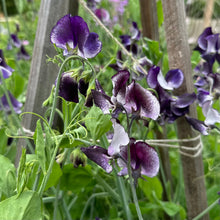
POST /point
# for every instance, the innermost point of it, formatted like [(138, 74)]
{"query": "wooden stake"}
[(149, 19), (179, 57), (208, 13), (43, 74)]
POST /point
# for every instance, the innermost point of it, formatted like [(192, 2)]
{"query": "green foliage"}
[(75, 179), (7, 178), (152, 50), (159, 13), (97, 123), (25, 206)]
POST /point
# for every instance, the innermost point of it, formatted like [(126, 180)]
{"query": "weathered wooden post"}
[(43, 74), (149, 19), (208, 13), (148, 10), (179, 57)]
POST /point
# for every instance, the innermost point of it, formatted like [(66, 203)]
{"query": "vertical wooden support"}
[(179, 57), (148, 10), (149, 19), (208, 13), (43, 74)]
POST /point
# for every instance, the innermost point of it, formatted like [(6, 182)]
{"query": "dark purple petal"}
[(203, 96), (152, 76), (99, 155), (80, 32), (120, 138), (212, 43), (174, 78), (125, 40), (15, 103), (119, 82), (3, 63), (143, 100), (68, 88), (202, 41), (62, 34), (198, 125), (148, 158), (102, 101), (83, 86), (92, 46), (185, 100), (23, 54), (178, 111), (135, 32), (16, 42), (99, 87)]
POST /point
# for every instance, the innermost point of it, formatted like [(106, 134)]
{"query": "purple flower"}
[(15, 103), (144, 159), (23, 54), (172, 80), (5, 69), (198, 125), (103, 15), (72, 31), (68, 88), (133, 98)]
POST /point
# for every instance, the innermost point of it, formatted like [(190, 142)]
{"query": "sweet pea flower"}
[(144, 158), (71, 33), (5, 69), (133, 98)]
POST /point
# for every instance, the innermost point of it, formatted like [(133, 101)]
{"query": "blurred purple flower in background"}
[(5, 69), (15, 103)]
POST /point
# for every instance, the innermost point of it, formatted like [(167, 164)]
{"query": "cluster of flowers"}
[(6, 73), (207, 79), (130, 98)]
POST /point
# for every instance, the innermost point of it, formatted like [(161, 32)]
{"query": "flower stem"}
[(132, 185), (206, 210)]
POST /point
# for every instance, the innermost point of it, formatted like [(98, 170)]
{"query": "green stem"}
[(206, 210), (56, 202), (107, 187), (122, 191), (89, 200), (132, 184), (47, 175), (66, 210), (14, 115)]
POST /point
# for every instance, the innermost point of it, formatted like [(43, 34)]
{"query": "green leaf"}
[(97, 123), (159, 13), (3, 141), (7, 177), (75, 179), (54, 176), (26, 206), (21, 169), (49, 143), (151, 185), (152, 50), (40, 146)]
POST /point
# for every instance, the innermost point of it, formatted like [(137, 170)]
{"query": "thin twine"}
[(195, 151), (82, 2)]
